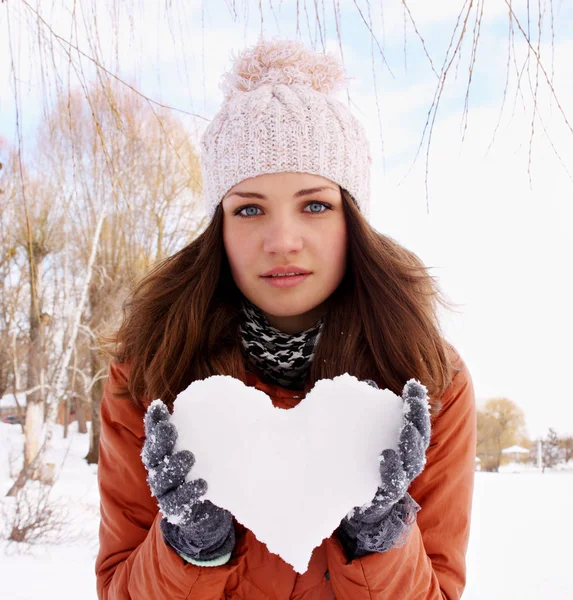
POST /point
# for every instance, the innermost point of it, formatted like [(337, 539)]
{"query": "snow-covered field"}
[(520, 545)]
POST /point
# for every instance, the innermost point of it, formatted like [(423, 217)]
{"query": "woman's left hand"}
[(385, 522)]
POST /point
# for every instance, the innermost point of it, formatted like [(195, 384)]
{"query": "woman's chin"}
[(292, 318)]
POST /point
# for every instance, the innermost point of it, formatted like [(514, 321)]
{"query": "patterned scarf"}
[(282, 357)]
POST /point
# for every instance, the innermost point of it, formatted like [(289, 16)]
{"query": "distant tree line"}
[(501, 425)]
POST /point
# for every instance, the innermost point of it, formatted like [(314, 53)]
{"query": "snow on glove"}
[(195, 528), (385, 522)]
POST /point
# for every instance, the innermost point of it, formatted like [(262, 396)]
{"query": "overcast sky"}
[(500, 244)]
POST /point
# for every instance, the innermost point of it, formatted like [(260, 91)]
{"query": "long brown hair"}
[(180, 322)]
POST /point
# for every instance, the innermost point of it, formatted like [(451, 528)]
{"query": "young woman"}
[(287, 285)]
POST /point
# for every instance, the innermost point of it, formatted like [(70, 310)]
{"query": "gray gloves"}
[(204, 532), (386, 522)]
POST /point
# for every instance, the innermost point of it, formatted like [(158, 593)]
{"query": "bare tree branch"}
[(68, 43)]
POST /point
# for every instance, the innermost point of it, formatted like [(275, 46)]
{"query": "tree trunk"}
[(81, 415), (5, 367), (66, 417), (96, 393), (35, 400), (97, 305)]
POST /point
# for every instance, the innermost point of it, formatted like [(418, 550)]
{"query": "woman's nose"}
[(283, 237)]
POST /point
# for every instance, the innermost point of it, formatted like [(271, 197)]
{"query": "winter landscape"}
[(519, 547)]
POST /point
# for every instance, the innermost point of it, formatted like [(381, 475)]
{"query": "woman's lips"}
[(283, 281)]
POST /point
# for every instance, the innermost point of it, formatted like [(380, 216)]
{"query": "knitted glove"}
[(197, 529), (386, 521)]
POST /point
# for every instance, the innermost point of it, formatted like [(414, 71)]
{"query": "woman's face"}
[(290, 222)]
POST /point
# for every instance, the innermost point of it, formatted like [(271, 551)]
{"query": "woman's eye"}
[(316, 207), (247, 211)]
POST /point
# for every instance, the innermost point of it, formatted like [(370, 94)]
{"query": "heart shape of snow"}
[(290, 476)]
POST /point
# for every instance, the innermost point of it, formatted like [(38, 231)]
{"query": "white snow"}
[(515, 450), (522, 527), (520, 544), (290, 476), (8, 401), (63, 570)]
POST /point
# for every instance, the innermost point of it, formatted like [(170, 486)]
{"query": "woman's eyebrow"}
[(299, 194)]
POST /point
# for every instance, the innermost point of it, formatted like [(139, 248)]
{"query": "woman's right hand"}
[(195, 528)]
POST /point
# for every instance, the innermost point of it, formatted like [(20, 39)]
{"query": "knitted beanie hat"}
[(279, 115)]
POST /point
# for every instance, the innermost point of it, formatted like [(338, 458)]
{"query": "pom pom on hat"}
[(285, 62)]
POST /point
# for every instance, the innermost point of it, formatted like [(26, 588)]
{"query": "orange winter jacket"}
[(134, 561)]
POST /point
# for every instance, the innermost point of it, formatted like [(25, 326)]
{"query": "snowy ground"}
[(520, 545)]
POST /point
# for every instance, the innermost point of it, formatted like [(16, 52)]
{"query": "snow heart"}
[(290, 476)]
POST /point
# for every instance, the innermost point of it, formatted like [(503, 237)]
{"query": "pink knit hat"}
[(279, 115)]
